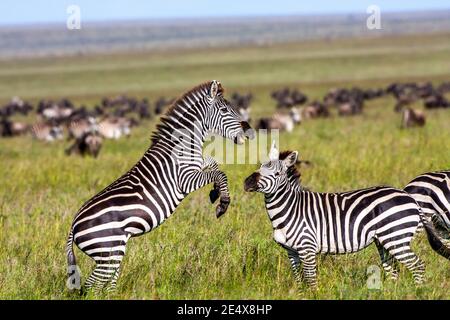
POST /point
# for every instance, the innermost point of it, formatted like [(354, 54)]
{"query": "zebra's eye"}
[(277, 174), (223, 110)]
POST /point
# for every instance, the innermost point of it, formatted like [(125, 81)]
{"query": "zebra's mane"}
[(167, 120), (292, 172)]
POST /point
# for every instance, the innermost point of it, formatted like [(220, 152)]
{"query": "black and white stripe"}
[(149, 192), (432, 192), (307, 223)]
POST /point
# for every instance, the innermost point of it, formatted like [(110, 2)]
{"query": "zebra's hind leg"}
[(387, 261), (104, 276), (441, 227), (403, 254), (108, 260)]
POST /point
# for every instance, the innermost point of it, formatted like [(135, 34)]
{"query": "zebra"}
[(46, 132), (114, 127), (280, 121), (145, 196), (432, 192), (307, 223), (78, 128)]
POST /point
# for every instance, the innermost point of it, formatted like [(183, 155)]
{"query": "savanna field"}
[(194, 255)]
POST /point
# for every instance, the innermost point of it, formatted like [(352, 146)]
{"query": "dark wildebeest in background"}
[(89, 143), (413, 118)]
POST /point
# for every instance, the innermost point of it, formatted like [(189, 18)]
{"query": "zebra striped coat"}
[(307, 223), (432, 192), (149, 192)]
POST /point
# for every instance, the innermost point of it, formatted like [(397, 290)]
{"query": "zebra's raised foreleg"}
[(222, 184), (210, 164), (387, 261), (198, 179)]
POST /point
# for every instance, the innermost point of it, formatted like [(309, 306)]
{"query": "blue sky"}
[(44, 11)]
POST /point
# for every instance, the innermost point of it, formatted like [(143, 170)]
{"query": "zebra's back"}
[(350, 221), (432, 192)]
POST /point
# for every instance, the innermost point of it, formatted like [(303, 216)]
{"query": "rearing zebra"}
[(432, 192), (307, 223), (149, 192)]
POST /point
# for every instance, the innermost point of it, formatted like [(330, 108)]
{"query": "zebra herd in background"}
[(305, 223), (115, 117)]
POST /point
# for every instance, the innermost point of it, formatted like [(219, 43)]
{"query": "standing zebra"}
[(307, 223), (432, 193), (149, 192)]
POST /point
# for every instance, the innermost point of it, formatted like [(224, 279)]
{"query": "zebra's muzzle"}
[(248, 131), (239, 139), (251, 183)]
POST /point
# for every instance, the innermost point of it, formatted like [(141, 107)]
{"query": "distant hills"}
[(56, 40)]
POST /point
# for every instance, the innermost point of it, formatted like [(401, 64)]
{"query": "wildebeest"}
[(10, 128), (348, 101), (55, 111), (444, 87), (315, 109), (287, 98), (349, 108), (402, 102), (161, 104), (242, 103), (16, 105), (413, 118), (281, 121), (436, 100), (89, 143)]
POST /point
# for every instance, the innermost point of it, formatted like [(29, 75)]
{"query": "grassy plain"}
[(194, 255)]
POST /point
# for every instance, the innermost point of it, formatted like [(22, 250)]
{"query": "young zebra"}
[(307, 223), (46, 132), (149, 192), (432, 193)]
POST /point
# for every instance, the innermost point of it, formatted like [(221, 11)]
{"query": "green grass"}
[(194, 255)]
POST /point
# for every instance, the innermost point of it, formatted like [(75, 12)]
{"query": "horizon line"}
[(211, 18)]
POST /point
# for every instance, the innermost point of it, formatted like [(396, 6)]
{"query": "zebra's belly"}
[(335, 248), (112, 218)]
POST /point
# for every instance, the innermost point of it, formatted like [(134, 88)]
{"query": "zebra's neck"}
[(279, 204), (183, 130)]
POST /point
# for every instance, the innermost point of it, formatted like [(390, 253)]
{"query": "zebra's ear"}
[(291, 159), (274, 154), (214, 89)]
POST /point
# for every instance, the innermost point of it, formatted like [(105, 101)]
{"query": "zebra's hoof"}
[(214, 195), (222, 207)]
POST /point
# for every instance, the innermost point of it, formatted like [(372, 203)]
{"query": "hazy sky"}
[(25, 11)]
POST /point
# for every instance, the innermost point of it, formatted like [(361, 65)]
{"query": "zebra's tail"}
[(436, 241), (73, 274)]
